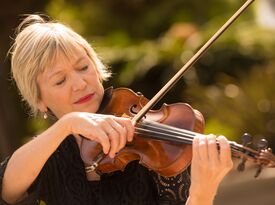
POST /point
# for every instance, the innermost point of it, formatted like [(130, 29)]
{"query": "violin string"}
[(152, 134), (171, 129), (166, 134), (172, 133), (180, 135), (186, 133), (163, 136)]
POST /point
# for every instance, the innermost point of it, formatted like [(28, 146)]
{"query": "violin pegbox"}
[(253, 155)]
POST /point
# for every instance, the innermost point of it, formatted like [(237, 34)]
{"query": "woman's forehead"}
[(61, 64), (61, 57), (69, 52)]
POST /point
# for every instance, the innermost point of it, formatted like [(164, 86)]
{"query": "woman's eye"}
[(60, 81), (84, 68)]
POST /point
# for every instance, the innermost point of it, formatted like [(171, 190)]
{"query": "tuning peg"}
[(241, 166), (246, 139), (258, 172), (262, 145)]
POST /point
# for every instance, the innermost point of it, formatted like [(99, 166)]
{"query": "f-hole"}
[(133, 110)]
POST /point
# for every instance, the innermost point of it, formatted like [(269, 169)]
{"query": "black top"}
[(63, 181)]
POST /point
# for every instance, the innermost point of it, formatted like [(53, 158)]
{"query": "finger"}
[(225, 152), (114, 140), (213, 154), (195, 148), (203, 149), (122, 134), (122, 138), (113, 135), (130, 129), (121, 131), (103, 139)]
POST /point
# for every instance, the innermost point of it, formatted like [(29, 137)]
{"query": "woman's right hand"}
[(110, 131)]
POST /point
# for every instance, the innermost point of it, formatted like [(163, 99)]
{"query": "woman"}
[(58, 73)]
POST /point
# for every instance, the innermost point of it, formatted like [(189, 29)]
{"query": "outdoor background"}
[(145, 42)]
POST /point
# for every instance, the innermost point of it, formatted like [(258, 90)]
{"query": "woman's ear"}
[(41, 106)]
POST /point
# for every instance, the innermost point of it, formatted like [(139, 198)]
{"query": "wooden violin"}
[(162, 140), (163, 137)]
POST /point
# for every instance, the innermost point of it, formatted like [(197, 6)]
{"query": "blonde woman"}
[(58, 73)]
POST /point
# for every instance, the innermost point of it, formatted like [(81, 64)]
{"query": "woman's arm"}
[(27, 162), (208, 168)]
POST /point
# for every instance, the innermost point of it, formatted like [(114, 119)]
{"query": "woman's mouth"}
[(84, 99)]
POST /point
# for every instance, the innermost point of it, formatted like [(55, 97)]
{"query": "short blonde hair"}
[(36, 45)]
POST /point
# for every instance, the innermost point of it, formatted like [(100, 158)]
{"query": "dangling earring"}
[(45, 116)]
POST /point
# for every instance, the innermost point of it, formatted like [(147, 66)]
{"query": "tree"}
[(12, 119)]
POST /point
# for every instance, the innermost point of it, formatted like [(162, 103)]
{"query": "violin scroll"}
[(263, 157)]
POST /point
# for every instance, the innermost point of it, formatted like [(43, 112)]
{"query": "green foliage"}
[(42, 203), (233, 107), (146, 42)]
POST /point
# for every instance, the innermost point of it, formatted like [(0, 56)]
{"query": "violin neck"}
[(158, 131)]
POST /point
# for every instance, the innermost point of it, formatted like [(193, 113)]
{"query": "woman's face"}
[(70, 85)]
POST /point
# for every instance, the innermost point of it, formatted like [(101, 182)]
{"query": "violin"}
[(163, 137), (162, 140)]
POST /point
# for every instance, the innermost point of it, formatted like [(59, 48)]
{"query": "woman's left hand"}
[(209, 166)]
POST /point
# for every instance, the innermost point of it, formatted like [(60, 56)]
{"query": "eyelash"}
[(63, 80), (84, 68)]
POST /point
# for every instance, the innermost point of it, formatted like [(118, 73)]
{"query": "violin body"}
[(166, 157), (163, 152)]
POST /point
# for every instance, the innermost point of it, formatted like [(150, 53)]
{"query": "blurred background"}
[(145, 42)]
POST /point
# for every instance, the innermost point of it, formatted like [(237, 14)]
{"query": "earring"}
[(45, 116)]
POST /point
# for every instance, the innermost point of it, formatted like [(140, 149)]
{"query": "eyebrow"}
[(74, 64), (78, 60)]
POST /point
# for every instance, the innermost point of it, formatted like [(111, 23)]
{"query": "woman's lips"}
[(85, 99)]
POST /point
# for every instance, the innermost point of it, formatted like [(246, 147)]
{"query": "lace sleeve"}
[(173, 190), (31, 199)]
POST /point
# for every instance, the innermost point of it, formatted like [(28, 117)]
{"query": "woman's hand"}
[(209, 166), (110, 131)]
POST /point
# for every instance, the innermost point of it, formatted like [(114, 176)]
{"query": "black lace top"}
[(63, 181)]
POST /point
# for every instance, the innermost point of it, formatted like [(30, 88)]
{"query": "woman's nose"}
[(78, 82)]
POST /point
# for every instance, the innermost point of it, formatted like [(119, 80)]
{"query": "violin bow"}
[(178, 75), (189, 63)]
